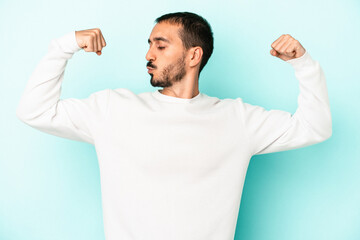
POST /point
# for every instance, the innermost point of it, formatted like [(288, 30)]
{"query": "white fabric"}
[(172, 168)]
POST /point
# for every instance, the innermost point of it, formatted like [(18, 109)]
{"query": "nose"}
[(150, 55)]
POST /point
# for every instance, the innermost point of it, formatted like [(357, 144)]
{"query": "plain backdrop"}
[(50, 186)]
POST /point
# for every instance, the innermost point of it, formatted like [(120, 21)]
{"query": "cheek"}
[(171, 54), (167, 57)]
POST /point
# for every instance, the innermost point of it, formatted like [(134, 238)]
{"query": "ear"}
[(196, 54)]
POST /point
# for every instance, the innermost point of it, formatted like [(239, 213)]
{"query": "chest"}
[(171, 143)]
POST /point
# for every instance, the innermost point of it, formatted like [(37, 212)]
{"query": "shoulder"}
[(98, 96), (233, 103), (224, 101), (127, 96), (121, 91)]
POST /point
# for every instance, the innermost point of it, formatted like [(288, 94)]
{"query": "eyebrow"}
[(159, 39)]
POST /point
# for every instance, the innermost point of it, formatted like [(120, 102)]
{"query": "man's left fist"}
[(286, 48)]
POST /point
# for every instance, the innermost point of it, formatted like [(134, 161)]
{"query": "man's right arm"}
[(40, 105)]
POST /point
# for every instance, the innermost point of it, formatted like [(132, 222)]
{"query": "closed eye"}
[(161, 48)]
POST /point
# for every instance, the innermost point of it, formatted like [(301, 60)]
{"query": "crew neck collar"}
[(157, 94)]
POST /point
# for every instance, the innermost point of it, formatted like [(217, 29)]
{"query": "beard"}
[(170, 74)]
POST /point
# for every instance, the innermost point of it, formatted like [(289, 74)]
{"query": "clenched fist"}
[(286, 48), (91, 40)]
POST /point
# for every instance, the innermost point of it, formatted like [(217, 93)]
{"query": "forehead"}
[(167, 31)]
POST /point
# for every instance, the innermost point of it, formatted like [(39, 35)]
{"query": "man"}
[(173, 162)]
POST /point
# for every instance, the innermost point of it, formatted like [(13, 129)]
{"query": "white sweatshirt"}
[(172, 168)]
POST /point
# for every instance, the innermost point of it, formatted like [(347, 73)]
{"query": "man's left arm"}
[(274, 130)]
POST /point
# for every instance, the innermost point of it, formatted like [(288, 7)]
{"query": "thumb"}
[(274, 53)]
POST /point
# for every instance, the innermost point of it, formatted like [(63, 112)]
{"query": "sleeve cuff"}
[(302, 61), (68, 43)]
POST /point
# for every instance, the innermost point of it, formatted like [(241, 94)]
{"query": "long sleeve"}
[(40, 105), (275, 130)]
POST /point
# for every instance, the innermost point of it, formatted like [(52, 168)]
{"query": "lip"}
[(150, 69)]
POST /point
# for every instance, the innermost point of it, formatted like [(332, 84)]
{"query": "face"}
[(166, 56)]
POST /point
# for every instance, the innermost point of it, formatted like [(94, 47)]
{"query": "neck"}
[(181, 91), (188, 87)]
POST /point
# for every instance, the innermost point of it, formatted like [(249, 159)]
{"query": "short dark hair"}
[(196, 31)]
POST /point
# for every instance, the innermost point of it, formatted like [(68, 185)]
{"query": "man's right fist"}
[(91, 40)]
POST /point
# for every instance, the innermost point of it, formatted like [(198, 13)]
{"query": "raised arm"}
[(40, 105), (275, 130)]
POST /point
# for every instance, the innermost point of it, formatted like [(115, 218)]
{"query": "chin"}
[(153, 82), (156, 83)]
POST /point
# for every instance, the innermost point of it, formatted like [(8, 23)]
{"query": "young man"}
[(173, 162)]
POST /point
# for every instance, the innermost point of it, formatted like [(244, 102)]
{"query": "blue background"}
[(50, 187)]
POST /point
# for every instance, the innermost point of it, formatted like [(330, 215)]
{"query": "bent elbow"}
[(327, 135), (326, 131), (20, 115), (329, 132), (24, 116)]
